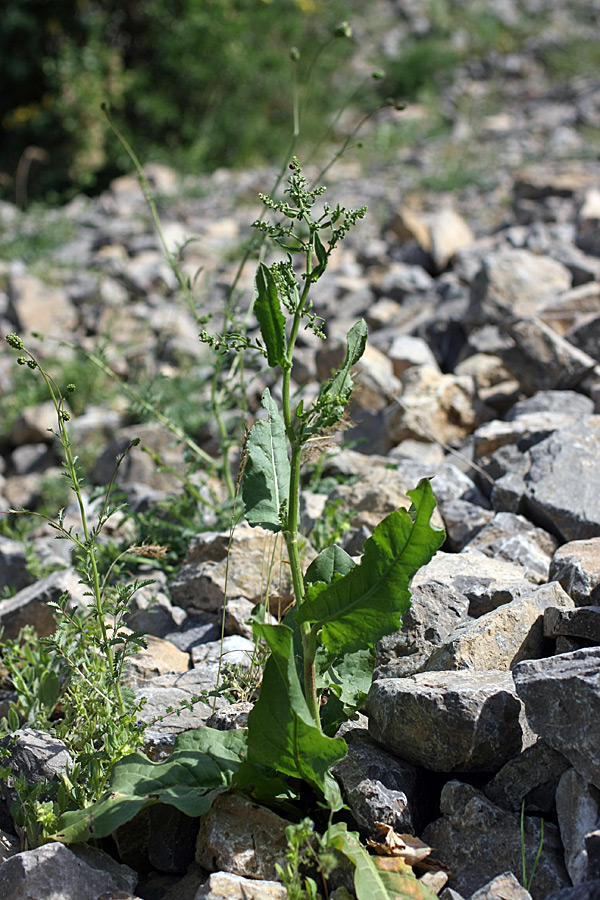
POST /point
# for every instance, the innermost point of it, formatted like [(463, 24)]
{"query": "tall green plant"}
[(322, 655)]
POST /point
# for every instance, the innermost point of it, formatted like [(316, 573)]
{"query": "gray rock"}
[(532, 776), (234, 650), (588, 891), (562, 487), (53, 872), (576, 565), (436, 609), (174, 691), (592, 848), (503, 637), (13, 565), (583, 622), (543, 359), (30, 605), (568, 402), (463, 521), (476, 839), (524, 431), (578, 811), (231, 717), (503, 887), (449, 721), (33, 755), (486, 583), (562, 701), (379, 787), (515, 282), (241, 837), (513, 538), (225, 886)]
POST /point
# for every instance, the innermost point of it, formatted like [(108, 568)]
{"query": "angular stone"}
[(503, 637), (9, 846), (503, 887), (434, 406), (53, 872), (379, 787), (159, 657), (543, 359), (200, 584), (241, 837), (234, 650), (531, 777), (174, 691), (449, 233), (579, 623), (232, 717), (562, 486), (525, 430), (30, 605), (37, 306), (436, 609), (586, 337), (562, 701), (463, 521), (513, 538), (476, 839), (515, 282), (578, 811), (576, 565), (569, 403), (407, 350), (486, 583), (448, 721), (34, 423), (34, 756), (225, 886)]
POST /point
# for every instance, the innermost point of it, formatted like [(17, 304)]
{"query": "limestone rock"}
[(513, 538), (158, 658), (503, 887), (53, 872), (241, 837), (576, 566), (531, 777), (448, 721), (562, 701), (30, 605), (477, 840), (503, 637), (225, 886), (516, 282), (543, 359), (562, 486), (578, 811), (583, 622)]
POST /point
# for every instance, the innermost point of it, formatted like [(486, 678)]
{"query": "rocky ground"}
[(483, 371)]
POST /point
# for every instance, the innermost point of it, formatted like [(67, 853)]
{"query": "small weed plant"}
[(319, 658)]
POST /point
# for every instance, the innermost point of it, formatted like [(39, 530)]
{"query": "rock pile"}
[(483, 372)]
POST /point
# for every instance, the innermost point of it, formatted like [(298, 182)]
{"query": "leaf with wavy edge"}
[(360, 608)]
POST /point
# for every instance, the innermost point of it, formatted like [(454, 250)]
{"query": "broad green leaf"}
[(200, 767), (370, 881), (266, 481), (270, 318), (281, 730), (346, 680), (331, 561), (359, 609), (335, 393)]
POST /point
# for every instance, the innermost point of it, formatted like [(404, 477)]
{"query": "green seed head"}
[(14, 341), (70, 388)]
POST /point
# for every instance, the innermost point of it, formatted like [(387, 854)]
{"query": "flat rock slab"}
[(476, 840), (225, 886), (562, 486), (562, 701), (449, 721)]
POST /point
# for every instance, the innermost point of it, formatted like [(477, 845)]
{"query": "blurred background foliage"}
[(200, 84), (196, 83)]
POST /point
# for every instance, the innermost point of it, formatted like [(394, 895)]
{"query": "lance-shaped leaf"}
[(357, 610), (200, 767), (371, 882), (270, 318), (266, 482), (281, 730), (335, 393)]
